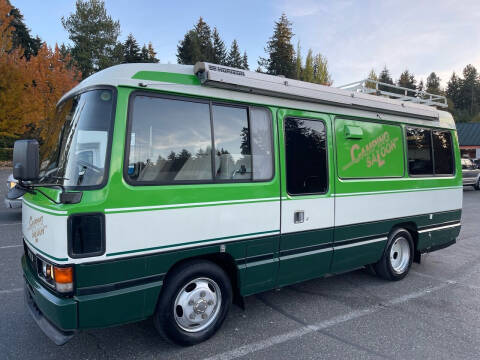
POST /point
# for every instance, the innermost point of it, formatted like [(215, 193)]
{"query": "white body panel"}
[(373, 207), (206, 224), (318, 214), (46, 232)]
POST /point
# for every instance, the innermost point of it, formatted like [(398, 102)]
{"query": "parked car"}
[(470, 173), (15, 203)]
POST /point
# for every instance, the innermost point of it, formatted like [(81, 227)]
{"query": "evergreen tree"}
[(386, 78), (321, 74), (407, 80), (245, 61), (470, 90), (94, 35), (433, 84), (188, 50), (152, 55), (21, 34), (372, 76), (219, 55), (234, 59), (453, 91), (308, 71), (204, 40), (421, 86), (281, 55), (131, 50), (298, 63)]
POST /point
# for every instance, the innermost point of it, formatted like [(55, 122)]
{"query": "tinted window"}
[(233, 156), (306, 156), (419, 151), (442, 152), (170, 141)]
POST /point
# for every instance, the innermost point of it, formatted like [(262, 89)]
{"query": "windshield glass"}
[(74, 153)]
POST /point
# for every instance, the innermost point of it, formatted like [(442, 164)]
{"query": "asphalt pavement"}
[(434, 313)]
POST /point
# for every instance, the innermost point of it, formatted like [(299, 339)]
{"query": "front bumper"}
[(13, 204), (56, 316)]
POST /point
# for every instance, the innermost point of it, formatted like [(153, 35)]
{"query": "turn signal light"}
[(63, 279)]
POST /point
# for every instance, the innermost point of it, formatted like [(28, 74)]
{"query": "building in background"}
[(469, 139)]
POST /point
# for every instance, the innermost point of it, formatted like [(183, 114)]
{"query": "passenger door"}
[(307, 204)]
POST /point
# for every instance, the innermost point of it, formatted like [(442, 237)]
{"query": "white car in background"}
[(15, 203)]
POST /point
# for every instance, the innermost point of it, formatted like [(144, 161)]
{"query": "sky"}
[(355, 35)]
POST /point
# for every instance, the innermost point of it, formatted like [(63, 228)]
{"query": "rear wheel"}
[(397, 259), (194, 302)]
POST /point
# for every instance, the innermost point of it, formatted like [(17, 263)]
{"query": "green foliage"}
[(21, 35), (131, 50), (464, 95), (234, 59), (433, 84), (321, 75), (245, 61), (94, 35), (201, 44), (281, 55), (386, 78), (308, 70), (372, 76), (219, 55), (6, 154), (407, 80), (298, 62)]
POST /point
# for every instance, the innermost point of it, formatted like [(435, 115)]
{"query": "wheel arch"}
[(225, 261), (412, 229)]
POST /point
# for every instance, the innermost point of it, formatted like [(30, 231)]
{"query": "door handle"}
[(298, 217)]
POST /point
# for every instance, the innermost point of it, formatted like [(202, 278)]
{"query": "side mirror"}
[(26, 160)]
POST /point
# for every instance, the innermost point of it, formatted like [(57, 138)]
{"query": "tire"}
[(397, 257), (477, 184), (193, 303)]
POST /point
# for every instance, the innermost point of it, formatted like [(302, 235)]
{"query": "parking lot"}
[(432, 314)]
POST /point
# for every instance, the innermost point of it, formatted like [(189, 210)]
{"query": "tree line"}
[(462, 92), (33, 75)]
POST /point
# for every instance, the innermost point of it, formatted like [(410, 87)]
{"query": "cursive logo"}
[(36, 227), (374, 153)]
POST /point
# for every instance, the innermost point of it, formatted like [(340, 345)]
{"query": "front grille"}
[(31, 258)]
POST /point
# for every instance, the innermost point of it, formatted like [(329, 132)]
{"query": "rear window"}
[(430, 152)]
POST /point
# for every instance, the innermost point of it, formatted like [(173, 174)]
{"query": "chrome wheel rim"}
[(400, 255), (197, 304)]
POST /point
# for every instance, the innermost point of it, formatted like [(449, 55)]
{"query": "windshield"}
[(74, 153)]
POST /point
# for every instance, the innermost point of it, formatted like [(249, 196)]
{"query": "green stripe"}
[(175, 78), (44, 253), (192, 242)]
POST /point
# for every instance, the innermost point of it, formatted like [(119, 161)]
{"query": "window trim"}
[(210, 103), (108, 151), (327, 189), (452, 152), (433, 174)]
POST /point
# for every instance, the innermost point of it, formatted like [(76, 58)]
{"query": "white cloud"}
[(423, 36)]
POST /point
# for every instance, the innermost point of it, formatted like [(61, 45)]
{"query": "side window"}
[(368, 149), (233, 155), (442, 152), (419, 151), (170, 141), (306, 156)]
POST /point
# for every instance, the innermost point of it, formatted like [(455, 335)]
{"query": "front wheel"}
[(397, 259), (194, 302)]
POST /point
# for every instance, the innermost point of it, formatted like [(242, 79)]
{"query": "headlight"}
[(11, 184), (58, 278)]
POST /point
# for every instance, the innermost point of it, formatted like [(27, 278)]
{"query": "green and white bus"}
[(171, 191)]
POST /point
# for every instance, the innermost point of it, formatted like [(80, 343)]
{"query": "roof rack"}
[(225, 77), (375, 87)]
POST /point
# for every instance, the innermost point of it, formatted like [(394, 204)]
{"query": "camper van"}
[(172, 191)]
